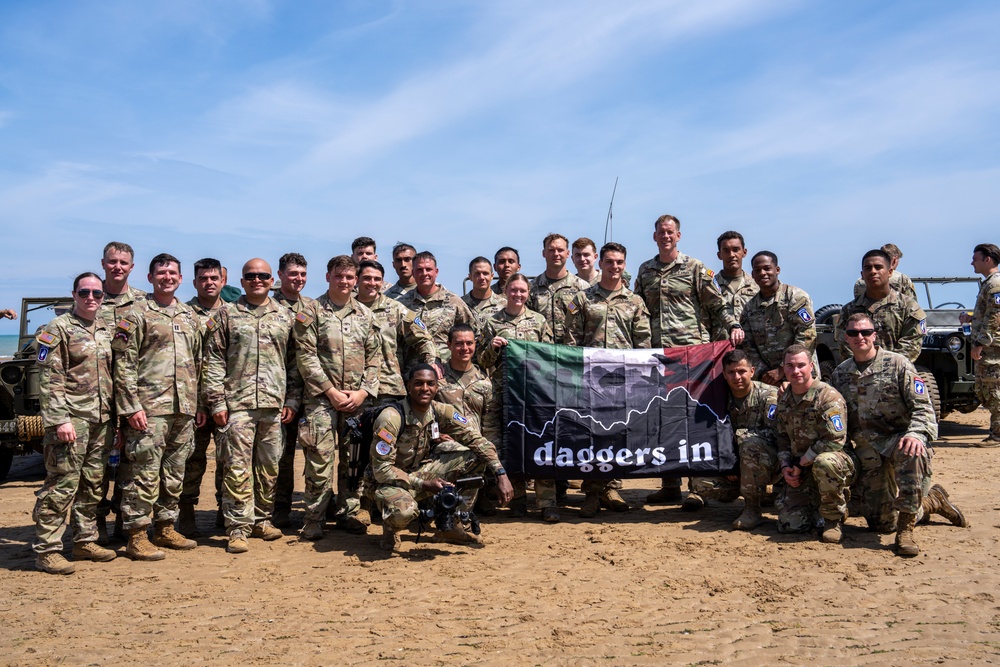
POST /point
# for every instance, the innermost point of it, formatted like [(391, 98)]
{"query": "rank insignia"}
[(919, 386), (804, 314)]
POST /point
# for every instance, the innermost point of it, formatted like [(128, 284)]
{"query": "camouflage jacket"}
[(471, 393), (397, 291), (886, 400), (811, 424), (75, 377), (203, 313), (900, 321), (735, 293), (440, 311), (402, 443), (337, 347), (484, 308), (114, 308), (683, 301), (898, 282), (250, 359), (772, 324), (529, 326), (405, 343), (598, 318), (755, 415), (303, 303), (986, 316), (550, 297), (159, 360)]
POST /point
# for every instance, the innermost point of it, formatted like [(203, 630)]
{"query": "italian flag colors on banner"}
[(592, 413)]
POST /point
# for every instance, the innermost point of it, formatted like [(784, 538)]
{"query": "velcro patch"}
[(923, 326), (919, 386), (43, 353), (460, 419), (571, 307), (210, 323), (45, 338), (303, 319), (125, 326), (383, 448), (996, 298), (710, 273), (420, 323), (772, 410), (838, 421), (385, 435), (804, 314)]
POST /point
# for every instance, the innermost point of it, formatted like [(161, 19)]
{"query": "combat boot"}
[(831, 533), (749, 519), (591, 506), (905, 546), (693, 503), (390, 539), (518, 508), (282, 517), (936, 502), (991, 440), (92, 551), (355, 524), (164, 535), (53, 562), (139, 547), (186, 524), (666, 495), (265, 531), (611, 499), (458, 535), (312, 530), (551, 515), (237, 542), (102, 531)]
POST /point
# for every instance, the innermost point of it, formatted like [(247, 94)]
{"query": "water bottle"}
[(967, 327), (114, 457)]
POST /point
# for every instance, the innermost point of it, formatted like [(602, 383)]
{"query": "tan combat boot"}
[(750, 518), (550, 515), (139, 547), (186, 524), (237, 542), (936, 502), (591, 506), (666, 495), (458, 535), (693, 503), (53, 562), (265, 531), (164, 535), (312, 530), (905, 546), (832, 533), (390, 539), (355, 524), (92, 551), (611, 499)]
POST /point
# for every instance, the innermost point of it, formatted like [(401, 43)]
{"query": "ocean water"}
[(8, 345)]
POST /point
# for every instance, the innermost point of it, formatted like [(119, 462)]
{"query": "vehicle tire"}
[(932, 390), (826, 369), (6, 458), (823, 315)]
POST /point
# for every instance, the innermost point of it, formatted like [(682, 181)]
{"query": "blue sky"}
[(241, 129)]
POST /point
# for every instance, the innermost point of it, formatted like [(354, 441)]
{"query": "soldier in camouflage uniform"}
[(251, 386), (74, 358), (208, 283), (481, 299), (415, 454), (812, 433), (891, 425), (586, 261), (752, 412), (899, 320), (684, 305), (777, 316), (402, 262), (159, 347), (363, 249), (293, 274), (506, 262), (338, 354), (735, 284), (405, 341), (436, 306), (607, 315), (986, 336), (899, 282)]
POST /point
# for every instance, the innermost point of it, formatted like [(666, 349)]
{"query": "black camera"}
[(442, 509)]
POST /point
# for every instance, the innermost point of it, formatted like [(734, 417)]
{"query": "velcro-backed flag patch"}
[(211, 323), (303, 319), (772, 410), (919, 386), (420, 323), (383, 448), (460, 419), (125, 325), (804, 314), (384, 434), (45, 338), (571, 307), (710, 273)]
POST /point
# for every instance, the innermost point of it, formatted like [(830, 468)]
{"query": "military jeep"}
[(20, 423), (945, 361)]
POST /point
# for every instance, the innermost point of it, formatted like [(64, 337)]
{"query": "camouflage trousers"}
[(988, 386), (154, 462), (824, 488), (545, 491), (74, 471), (887, 485), (285, 485), (324, 453), (249, 450), (758, 468), (197, 463), (449, 461)]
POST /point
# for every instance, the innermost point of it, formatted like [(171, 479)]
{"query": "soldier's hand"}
[(498, 342), (977, 352), (352, 400), (200, 419), (736, 336), (287, 415), (335, 396), (772, 377), (791, 476), (911, 446), (434, 485), (221, 418), (505, 490), (66, 432), (138, 420), (8, 313)]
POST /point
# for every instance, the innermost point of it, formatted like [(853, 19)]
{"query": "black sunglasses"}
[(854, 333), (256, 276), (84, 293)]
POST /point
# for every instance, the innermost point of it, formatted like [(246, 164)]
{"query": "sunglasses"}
[(96, 293), (256, 276), (854, 333)]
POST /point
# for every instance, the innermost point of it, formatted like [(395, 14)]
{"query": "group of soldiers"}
[(136, 386)]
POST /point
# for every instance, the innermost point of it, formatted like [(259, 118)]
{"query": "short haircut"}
[(582, 243), (87, 274), (292, 259), (118, 246), (423, 256), (162, 260), (480, 260), (797, 348), (728, 236), (363, 242), (371, 264), (611, 246), (878, 252), (401, 247), (504, 249), (855, 317), (420, 367), (988, 250), (459, 328), (552, 237), (893, 250), (207, 264), (664, 219), (341, 262), (764, 253), (516, 277), (735, 357)]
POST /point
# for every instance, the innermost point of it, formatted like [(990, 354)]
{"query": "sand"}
[(653, 586)]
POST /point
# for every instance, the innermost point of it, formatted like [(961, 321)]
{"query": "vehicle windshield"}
[(951, 293)]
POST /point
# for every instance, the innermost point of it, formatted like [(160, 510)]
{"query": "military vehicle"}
[(945, 361), (20, 423)]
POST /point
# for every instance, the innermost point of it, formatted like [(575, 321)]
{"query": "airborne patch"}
[(43, 352), (803, 313), (838, 422), (919, 386), (772, 410), (460, 419), (45, 338), (996, 298), (923, 326), (420, 323)]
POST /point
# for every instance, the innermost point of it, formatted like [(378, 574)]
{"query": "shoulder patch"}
[(923, 326), (125, 326), (382, 448), (303, 319), (996, 298), (772, 411), (571, 307), (919, 386), (211, 323), (420, 323), (460, 419), (709, 272), (45, 338), (837, 419), (384, 434), (43, 353), (804, 314)]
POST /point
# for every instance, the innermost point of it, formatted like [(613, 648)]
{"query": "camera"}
[(442, 509)]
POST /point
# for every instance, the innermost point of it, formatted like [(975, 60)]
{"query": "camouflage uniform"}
[(337, 347), (899, 321), (396, 291), (736, 291), (440, 311), (898, 282), (772, 324), (74, 359), (887, 400), (596, 278), (250, 373), (403, 456), (484, 308), (813, 425), (986, 332), (157, 371), (471, 393), (405, 343)]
